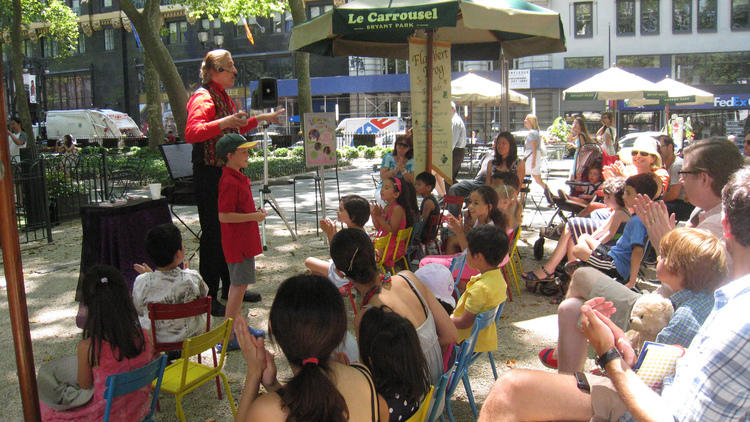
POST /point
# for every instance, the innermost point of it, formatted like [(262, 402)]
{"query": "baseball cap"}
[(439, 280), (231, 142)]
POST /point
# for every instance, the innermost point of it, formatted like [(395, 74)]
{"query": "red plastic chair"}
[(453, 200), (163, 311)]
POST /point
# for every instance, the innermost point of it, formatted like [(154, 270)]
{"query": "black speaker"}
[(266, 94)]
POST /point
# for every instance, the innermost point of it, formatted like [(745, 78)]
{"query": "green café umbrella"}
[(475, 28)]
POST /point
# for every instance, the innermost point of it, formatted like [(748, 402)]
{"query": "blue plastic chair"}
[(438, 397), (458, 262), (465, 356), (489, 354), (127, 382)]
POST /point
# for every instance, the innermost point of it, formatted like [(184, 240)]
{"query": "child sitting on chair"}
[(424, 186), (488, 245), (506, 185), (354, 211), (169, 284)]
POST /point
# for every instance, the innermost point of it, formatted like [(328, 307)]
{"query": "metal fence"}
[(53, 187)]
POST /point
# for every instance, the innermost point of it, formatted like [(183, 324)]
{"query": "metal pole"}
[(505, 119), (19, 313), (430, 46)]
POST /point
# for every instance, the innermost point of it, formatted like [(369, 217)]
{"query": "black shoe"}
[(217, 308), (251, 297)]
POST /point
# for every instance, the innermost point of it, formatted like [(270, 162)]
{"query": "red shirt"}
[(239, 240), (201, 125)]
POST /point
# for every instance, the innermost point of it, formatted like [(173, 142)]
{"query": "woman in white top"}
[(606, 134), (533, 150)]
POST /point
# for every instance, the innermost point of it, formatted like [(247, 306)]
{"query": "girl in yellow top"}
[(488, 245)]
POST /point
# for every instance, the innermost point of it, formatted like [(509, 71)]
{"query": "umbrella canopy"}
[(474, 89), (381, 28), (678, 93), (614, 84)]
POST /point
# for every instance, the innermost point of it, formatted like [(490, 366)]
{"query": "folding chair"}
[(438, 397), (162, 311), (127, 382), (489, 354), (184, 376), (511, 265), (403, 237), (381, 244), (421, 414), (465, 357)]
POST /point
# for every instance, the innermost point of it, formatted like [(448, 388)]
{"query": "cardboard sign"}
[(320, 139)]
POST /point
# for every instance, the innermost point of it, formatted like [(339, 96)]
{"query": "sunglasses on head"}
[(643, 154)]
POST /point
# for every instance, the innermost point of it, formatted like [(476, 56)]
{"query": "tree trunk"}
[(153, 103), (147, 23), (22, 100), (301, 64)]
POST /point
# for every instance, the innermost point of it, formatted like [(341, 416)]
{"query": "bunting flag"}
[(248, 34)]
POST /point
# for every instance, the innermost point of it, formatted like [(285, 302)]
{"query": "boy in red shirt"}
[(240, 237)]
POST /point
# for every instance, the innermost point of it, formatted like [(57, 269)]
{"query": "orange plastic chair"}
[(163, 311)]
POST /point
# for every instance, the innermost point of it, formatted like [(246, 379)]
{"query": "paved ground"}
[(51, 271)]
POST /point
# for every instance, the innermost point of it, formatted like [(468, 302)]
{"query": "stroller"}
[(589, 156)]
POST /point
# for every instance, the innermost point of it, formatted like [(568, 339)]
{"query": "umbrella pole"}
[(430, 46), (506, 91), (19, 313)]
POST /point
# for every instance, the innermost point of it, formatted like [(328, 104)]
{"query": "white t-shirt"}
[(459, 131), (15, 150)]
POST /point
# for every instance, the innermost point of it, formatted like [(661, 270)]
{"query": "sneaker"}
[(547, 356)]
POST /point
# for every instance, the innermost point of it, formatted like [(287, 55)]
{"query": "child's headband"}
[(398, 183)]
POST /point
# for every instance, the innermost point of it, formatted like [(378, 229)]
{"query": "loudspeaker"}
[(266, 94)]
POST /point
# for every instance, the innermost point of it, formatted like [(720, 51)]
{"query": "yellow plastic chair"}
[(403, 237), (184, 375), (514, 261), (381, 244), (421, 414)]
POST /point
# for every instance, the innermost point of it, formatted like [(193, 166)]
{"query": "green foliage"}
[(349, 152), (233, 10), (300, 152), (361, 147), (60, 185), (281, 152), (61, 24), (371, 152), (559, 131)]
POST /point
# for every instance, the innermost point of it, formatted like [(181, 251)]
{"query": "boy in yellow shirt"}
[(488, 245)]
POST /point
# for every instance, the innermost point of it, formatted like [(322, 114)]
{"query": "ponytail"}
[(311, 396)]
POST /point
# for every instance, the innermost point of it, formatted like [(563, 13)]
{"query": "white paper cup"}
[(155, 190)]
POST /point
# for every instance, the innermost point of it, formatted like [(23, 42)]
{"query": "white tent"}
[(678, 93), (614, 84), (476, 90)]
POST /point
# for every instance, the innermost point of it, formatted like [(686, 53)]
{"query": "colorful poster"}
[(320, 139), (442, 137)]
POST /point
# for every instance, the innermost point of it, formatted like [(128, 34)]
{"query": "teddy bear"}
[(651, 312)]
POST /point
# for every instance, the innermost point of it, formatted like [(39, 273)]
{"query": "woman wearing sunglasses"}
[(399, 163), (642, 158)]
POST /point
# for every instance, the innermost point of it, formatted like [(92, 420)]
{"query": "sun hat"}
[(57, 384), (643, 143), (439, 280), (231, 142)]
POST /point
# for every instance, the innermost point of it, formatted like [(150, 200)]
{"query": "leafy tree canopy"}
[(233, 10), (60, 22)]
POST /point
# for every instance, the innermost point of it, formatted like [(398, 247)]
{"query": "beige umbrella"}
[(614, 84), (476, 90), (678, 93)]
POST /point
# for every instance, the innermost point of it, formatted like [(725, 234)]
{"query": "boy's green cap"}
[(231, 142)]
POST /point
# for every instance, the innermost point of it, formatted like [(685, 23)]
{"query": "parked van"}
[(128, 127), (385, 129), (85, 125)]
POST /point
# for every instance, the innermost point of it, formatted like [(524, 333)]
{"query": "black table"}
[(116, 235)]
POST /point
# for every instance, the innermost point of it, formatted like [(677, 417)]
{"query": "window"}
[(49, 47), (650, 17), (682, 15), (706, 15), (740, 15), (109, 39), (314, 11), (75, 5), (625, 17), (713, 68), (177, 32), (638, 61), (584, 19), (81, 43), (106, 3), (595, 62), (276, 22), (68, 91)]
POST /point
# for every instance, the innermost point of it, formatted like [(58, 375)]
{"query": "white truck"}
[(91, 125), (128, 127)]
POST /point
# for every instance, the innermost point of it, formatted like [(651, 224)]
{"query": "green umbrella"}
[(475, 28)]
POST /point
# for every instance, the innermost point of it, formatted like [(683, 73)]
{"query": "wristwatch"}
[(607, 357)]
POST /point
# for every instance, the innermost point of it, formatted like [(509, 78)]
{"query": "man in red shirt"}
[(211, 114)]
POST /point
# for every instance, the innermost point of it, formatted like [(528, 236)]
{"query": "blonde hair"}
[(533, 120), (213, 61), (696, 255), (514, 212)]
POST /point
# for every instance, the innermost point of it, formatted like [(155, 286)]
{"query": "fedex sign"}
[(733, 101)]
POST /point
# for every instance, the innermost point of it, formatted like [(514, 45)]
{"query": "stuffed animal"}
[(651, 312)]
